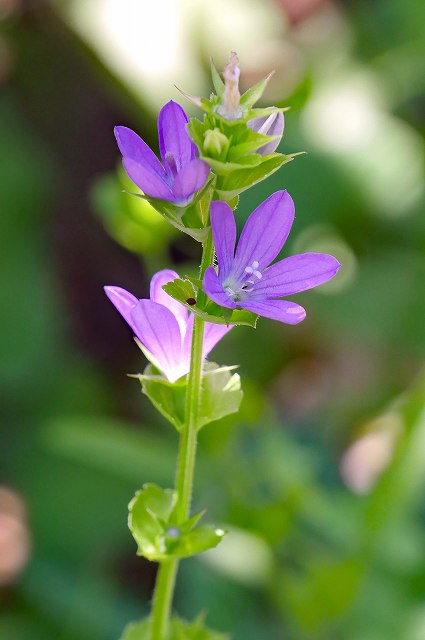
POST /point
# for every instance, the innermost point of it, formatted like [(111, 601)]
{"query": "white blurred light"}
[(142, 42), (324, 239), (153, 45), (243, 557), (383, 154)]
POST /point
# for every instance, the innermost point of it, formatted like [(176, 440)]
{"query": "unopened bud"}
[(214, 142), (229, 107), (271, 125)]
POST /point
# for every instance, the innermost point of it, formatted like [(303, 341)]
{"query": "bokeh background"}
[(321, 477)]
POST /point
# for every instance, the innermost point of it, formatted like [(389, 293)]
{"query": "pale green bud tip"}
[(214, 142), (229, 107)]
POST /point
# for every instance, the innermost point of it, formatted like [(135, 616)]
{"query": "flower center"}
[(238, 290)]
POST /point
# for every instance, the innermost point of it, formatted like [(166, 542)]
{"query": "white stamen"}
[(249, 270), (258, 274), (255, 264)]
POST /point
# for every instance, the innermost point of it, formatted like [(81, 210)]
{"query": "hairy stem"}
[(166, 577)]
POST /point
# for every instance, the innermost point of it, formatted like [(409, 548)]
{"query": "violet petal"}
[(147, 180), (264, 233), (189, 180), (174, 138), (214, 289), (224, 234), (157, 294), (294, 274), (281, 310), (213, 333), (124, 302), (133, 147), (159, 332), (271, 125)]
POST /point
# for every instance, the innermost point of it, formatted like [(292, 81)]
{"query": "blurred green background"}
[(321, 477)]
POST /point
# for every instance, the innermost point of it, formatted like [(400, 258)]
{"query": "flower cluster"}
[(244, 279)]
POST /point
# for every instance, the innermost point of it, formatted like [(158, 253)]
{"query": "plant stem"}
[(166, 577), (162, 598)]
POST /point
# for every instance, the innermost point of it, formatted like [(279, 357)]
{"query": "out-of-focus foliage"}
[(320, 478)]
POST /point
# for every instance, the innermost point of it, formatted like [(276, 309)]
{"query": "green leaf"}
[(168, 398), (158, 536), (196, 130), (179, 630), (217, 81), (225, 169), (241, 179), (183, 290), (137, 630), (250, 97), (221, 394), (182, 630)]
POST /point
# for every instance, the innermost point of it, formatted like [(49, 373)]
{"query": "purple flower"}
[(271, 125), (245, 279), (163, 325), (181, 173)]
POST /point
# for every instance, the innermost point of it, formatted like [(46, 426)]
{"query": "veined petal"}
[(213, 333), (271, 125), (189, 180), (294, 274), (264, 233), (173, 137), (147, 180), (134, 148), (281, 310), (214, 289), (159, 332), (224, 234), (157, 294), (124, 302)]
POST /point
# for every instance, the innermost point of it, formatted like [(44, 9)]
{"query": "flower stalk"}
[(167, 572)]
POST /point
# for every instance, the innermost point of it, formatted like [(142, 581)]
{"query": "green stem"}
[(166, 578), (162, 598)]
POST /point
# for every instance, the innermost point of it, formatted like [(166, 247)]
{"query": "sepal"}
[(158, 535), (221, 394)]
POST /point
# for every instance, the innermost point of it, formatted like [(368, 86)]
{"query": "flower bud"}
[(229, 107), (271, 125), (215, 142)]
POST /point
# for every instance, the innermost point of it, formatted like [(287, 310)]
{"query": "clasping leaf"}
[(158, 535)]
